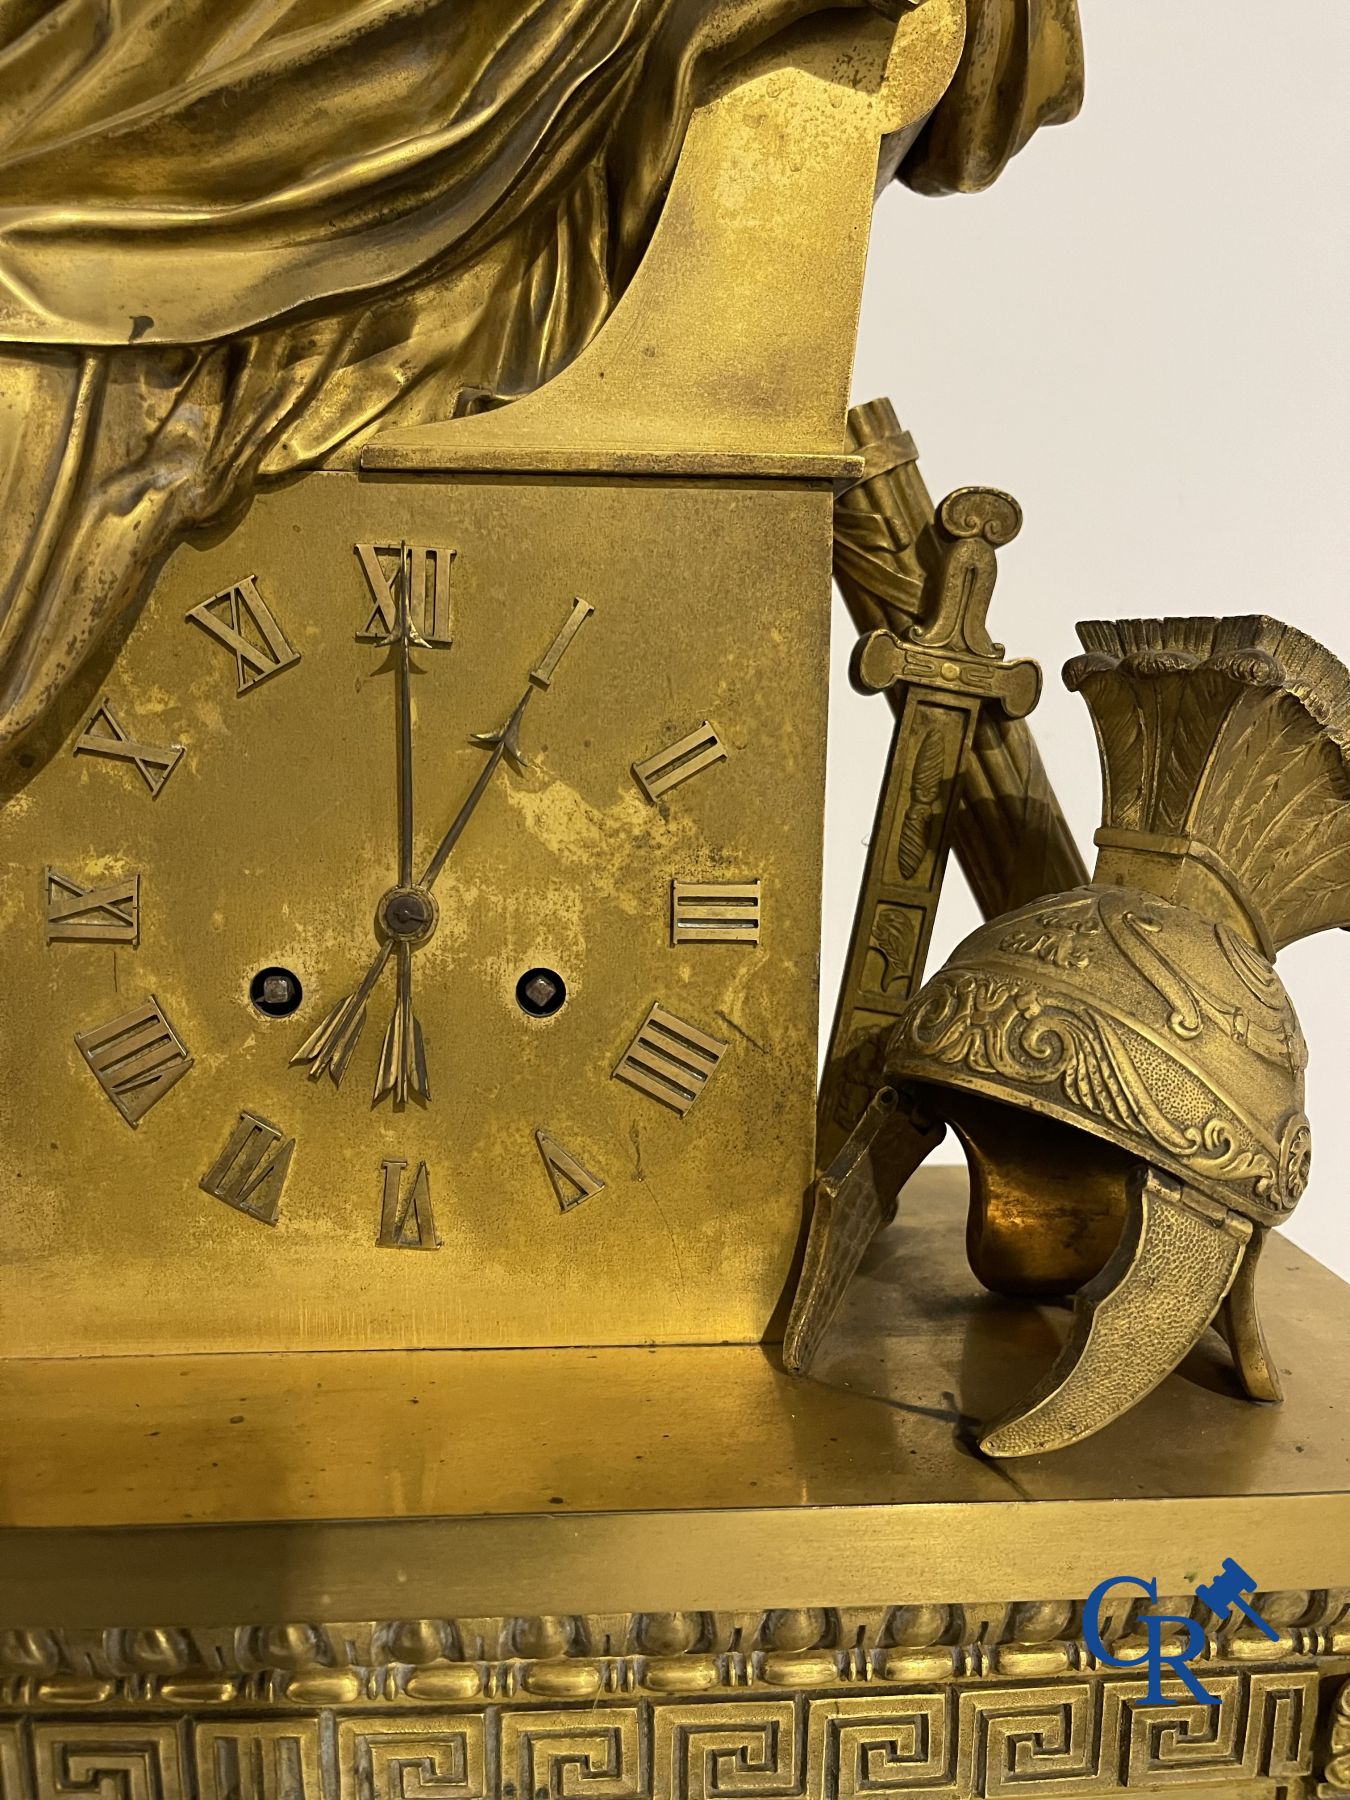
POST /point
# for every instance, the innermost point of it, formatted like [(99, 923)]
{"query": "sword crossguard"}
[(953, 649), (881, 660)]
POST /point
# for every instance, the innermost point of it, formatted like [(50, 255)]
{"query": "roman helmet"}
[(1122, 1062)]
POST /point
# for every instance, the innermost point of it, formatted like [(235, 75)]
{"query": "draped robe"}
[(239, 236)]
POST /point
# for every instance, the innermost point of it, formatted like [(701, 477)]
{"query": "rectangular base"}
[(224, 1488)]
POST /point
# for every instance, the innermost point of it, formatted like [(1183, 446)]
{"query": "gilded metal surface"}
[(949, 670), (822, 1703), (1146, 1023), (278, 841), (1136, 1319), (1144, 1010), (427, 1483), (853, 1198), (241, 754), (864, 1675), (1335, 1760)]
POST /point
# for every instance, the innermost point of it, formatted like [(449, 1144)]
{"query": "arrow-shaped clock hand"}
[(404, 913), (403, 1062), (408, 914)]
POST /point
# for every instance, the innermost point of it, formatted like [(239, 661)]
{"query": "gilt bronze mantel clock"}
[(419, 880), (425, 443)]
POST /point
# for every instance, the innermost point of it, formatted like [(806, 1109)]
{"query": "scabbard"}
[(911, 838), (1009, 834)]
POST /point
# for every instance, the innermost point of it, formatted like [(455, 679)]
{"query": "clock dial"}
[(436, 867)]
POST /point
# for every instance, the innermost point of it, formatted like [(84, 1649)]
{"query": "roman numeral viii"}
[(93, 915), (240, 619), (135, 1058)]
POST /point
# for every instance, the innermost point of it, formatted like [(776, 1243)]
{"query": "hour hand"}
[(507, 740), (403, 1060)]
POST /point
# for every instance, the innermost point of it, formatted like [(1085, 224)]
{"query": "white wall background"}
[(1141, 332)]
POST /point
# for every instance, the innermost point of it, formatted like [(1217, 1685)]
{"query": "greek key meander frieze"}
[(949, 1702), (950, 1741)]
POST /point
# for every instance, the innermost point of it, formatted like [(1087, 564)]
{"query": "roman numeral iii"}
[(670, 1060), (110, 914), (714, 912), (135, 1058), (240, 619), (428, 568)]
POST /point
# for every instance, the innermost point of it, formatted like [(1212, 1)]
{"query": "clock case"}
[(679, 476)]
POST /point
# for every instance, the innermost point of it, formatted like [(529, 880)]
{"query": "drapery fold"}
[(239, 236), (1021, 68)]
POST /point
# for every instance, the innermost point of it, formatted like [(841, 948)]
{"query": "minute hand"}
[(506, 742)]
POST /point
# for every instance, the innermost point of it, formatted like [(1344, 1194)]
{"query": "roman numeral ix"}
[(104, 736)]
